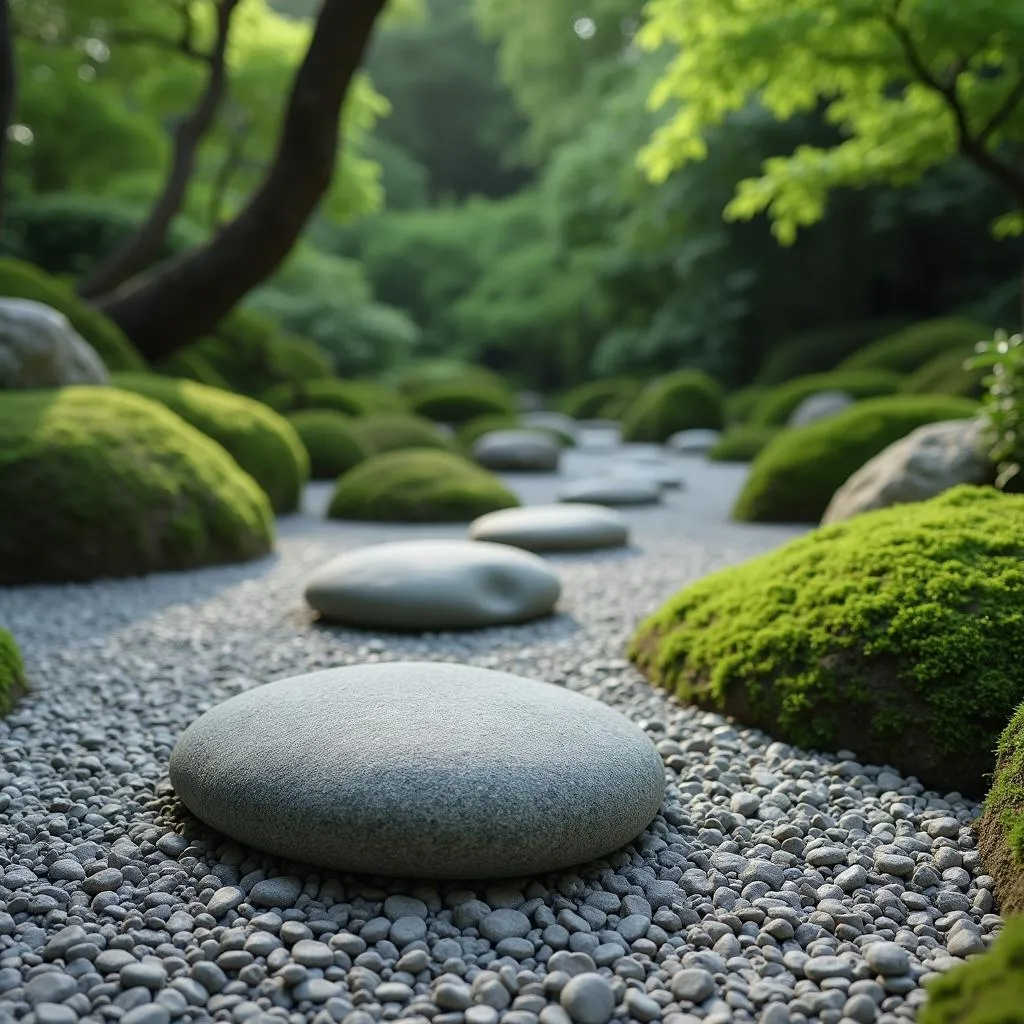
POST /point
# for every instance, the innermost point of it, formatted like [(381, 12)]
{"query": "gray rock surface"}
[(577, 527), (926, 462), (433, 585), (819, 407), (420, 769), (613, 491), (693, 442), (40, 349), (518, 451), (546, 420)]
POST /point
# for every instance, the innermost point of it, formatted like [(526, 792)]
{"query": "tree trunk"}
[(8, 90), (185, 298), (145, 246)]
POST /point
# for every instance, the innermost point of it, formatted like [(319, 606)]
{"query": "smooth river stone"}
[(693, 442), (511, 451), (612, 490), (432, 585), (420, 769), (552, 528)]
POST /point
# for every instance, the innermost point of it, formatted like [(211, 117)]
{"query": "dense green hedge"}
[(796, 474), (945, 375), (775, 408), (742, 444), (686, 400), (100, 482), (12, 672), (894, 634), (908, 350), (334, 442)]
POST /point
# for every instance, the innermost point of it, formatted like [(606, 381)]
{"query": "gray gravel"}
[(776, 885)]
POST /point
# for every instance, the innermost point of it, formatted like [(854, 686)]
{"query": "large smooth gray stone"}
[(433, 584), (552, 528), (518, 451), (612, 490), (420, 770)]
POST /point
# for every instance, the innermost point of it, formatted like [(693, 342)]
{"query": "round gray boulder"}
[(433, 584), (819, 407), (420, 769), (552, 528), (513, 451), (612, 490)]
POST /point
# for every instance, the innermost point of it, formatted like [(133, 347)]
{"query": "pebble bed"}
[(775, 885)]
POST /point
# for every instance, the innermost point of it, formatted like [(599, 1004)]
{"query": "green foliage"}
[(12, 672), (387, 432), (600, 399), (98, 482), (910, 349), (947, 374), (419, 486), (333, 441), (795, 476), (988, 989), (458, 403), (743, 443), (1003, 408), (414, 377), (190, 364), (780, 403), (892, 634), (351, 398), (740, 405), (20, 280), (680, 401), (263, 443)]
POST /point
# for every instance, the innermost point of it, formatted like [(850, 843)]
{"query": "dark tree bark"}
[(186, 297), (143, 248), (8, 91)]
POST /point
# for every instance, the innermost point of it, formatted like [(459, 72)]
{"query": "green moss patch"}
[(895, 634), (776, 406), (945, 375), (908, 350), (351, 398), (607, 399), (333, 441), (796, 474), (740, 405), (98, 482), (389, 432), (686, 400), (418, 487), (12, 673), (742, 444), (263, 443), (458, 403)]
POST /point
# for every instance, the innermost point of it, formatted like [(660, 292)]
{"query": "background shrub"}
[(387, 432), (742, 444), (607, 399), (333, 442), (908, 350), (946, 374), (351, 398), (679, 401), (776, 407)]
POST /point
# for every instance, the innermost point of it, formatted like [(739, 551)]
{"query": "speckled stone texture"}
[(612, 490), (433, 585), (420, 769), (553, 528)]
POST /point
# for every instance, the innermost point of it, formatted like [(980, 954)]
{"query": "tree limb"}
[(1005, 112)]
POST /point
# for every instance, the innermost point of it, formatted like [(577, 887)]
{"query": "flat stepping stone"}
[(693, 442), (612, 491), (417, 769), (552, 528), (417, 585), (518, 451), (664, 475)]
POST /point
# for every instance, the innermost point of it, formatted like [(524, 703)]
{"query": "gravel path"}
[(776, 885)]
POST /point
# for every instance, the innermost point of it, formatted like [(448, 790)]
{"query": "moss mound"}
[(334, 442), (418, 487), (20, 280), (390, 432), (12, 672), (459, 403), (608, 399), (776, 407), (988, 989), (796, 474), (686, 400), (263, 443), (740, 405), (945, 375), (428, 373), (742, 444), (471, 432), (351, 398), (909, 349), (190, 364), (895, 634), (99, 482), (1001, 827)]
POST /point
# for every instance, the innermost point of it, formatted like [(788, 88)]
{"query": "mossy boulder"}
[(333, 442), (190, 364), (351, 398), (945, 375), (742, 444), (908, 350), (390, 432), (99, 482), (20, 280), (778, 405), (607, 399), (418, 487), (740, 405), (12, 672), (263, 443), (894, 634), (1001, 826), (686, 400), (988, 989), (428, 373), (458, 403), (794, 477)]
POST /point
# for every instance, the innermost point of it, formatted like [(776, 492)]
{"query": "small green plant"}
[(1003, 403)]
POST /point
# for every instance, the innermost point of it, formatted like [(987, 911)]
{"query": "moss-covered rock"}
[(686, 400), (349, 397), (908, 350), (418, 487), (99, 482), (776, 406), (607, 399), (742, 444), (12, 672), (414, 378), (263, 443), (334, 442), (740, 405), (988, 989), (19, 280), (1001, 826), (390, 432), (945, 375), (894, 634), (796, 474), (458, 403), (190, 364)]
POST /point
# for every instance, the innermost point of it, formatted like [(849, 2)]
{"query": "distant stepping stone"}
[(693, 442), (612, 490), (422, 585), (552, 528), (557, 421), (518, 451), (662, 475), (420, 770)]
